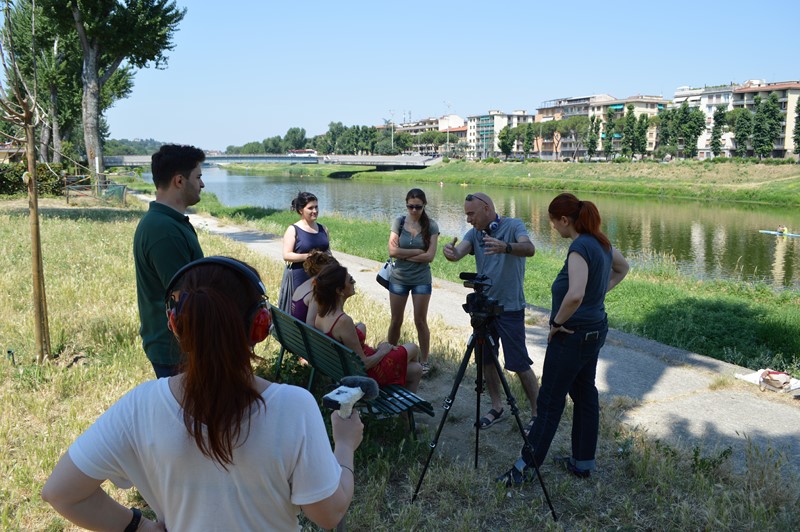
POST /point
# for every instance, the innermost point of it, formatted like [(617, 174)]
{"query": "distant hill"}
[(131, 147)]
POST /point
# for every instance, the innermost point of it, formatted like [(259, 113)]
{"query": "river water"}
[(708, 240)]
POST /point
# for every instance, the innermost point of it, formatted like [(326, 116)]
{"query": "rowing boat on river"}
[(779, 233)]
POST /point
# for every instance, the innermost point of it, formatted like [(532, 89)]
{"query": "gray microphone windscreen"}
[(367, 385)]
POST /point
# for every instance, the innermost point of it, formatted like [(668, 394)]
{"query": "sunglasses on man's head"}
[(471, 197), (415, 207)]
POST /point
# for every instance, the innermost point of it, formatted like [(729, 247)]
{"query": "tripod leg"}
[(448, 402), (478, 390), (512, 402)]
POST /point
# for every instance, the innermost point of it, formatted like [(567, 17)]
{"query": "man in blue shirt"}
[(500, 246), (164, 242)]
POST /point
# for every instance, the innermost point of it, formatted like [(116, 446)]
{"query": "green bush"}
[(621, 159), (49, 176), (445, 160)]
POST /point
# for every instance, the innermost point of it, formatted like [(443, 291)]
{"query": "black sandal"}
[(485, 422)]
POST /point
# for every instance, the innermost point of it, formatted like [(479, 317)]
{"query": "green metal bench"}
[(333, 359)]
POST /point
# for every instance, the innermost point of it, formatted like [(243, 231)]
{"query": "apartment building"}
[(707, 99), (642, 104), (418, 127), (788, 93), (559, 109), (483, 131)]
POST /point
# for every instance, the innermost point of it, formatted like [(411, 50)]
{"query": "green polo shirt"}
[(164, 242)]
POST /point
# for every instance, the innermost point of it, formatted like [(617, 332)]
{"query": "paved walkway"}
[(678, 396)]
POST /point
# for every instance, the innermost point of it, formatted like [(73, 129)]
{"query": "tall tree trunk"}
[(54, 124), (44, 143), (90, 104), (41, 325)]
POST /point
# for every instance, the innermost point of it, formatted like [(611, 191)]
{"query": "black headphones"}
[(261, 318), (492, 227)]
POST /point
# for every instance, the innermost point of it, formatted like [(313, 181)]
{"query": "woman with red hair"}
[(578, 328), (215, 447)]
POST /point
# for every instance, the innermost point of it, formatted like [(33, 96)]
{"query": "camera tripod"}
[(478, 344)]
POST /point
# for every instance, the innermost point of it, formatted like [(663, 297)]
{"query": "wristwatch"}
[(508, 248)]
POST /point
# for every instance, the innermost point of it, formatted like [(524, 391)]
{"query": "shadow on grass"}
[(348, 174), (95, 214), (243, 212)]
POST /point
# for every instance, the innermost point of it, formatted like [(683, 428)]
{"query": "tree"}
[(663, 122), (629, 132), (796, 135), (529, 133), (608, 132), (403, 141), (716, 130), (505, 141), (368, 139), (640, 140), (766, 125), (18, 106), (112, 33), (741, 121), (273, 144), (295, 139), (594, 136), (686, 126), (252, 148), (347, 142)]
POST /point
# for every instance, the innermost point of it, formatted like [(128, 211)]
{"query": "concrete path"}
[(681, 397)]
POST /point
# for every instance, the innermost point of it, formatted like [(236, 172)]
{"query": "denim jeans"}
[(570, 365)]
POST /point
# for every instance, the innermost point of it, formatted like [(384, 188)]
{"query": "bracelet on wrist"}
[(135, 520), (349, 469), (556, 325)]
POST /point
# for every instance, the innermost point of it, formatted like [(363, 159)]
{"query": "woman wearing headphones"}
[(215, 447)]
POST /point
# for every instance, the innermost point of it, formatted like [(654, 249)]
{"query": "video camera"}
[(479, 306)]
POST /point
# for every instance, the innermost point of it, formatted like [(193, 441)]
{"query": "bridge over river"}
[(380, 162)]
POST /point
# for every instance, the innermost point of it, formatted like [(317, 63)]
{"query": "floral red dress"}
[(391, 369)]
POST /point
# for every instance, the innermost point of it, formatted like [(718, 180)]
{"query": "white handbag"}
[(385, 273)]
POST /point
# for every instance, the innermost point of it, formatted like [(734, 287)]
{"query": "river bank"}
[(748, 324), (730, 181), (742, 322)]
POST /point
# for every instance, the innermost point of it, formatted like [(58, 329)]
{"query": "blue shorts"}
[(415, 289), (509, 329)]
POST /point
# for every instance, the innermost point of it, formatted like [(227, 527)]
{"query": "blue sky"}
[(245, 70)]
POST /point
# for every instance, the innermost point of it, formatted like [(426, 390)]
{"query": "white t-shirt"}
[(285, 462)]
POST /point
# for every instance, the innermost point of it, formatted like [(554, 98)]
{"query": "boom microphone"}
[(351, 389)]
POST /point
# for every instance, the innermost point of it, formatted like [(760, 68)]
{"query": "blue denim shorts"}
[(404, 289)]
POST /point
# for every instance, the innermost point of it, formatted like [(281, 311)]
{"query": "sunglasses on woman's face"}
[(414, 207), (350, 279)]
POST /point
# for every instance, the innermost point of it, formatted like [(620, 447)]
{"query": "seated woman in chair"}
[(304, 307), (387, 364)]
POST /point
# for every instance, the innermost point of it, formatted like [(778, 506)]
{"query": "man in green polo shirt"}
[(164, 242)]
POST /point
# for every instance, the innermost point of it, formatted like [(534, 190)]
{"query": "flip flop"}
[(485, 422)]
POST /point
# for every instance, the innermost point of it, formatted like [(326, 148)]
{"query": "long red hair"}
[(584, 215), (212, 324)]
